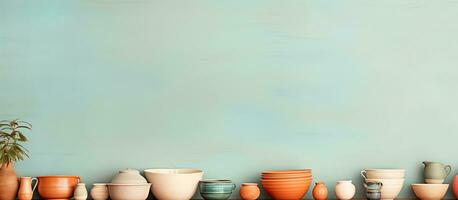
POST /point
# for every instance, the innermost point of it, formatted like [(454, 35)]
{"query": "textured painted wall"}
[(232, 87)]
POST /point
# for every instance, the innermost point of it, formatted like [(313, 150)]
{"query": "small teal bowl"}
[(216, 189)]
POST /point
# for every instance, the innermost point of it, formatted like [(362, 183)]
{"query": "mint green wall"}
[(232, 87)]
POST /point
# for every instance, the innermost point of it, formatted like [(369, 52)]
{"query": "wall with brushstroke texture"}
[(232, 87)]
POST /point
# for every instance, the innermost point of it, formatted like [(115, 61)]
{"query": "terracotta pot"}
[(25, 189), (99, 191), (249, 191), (57, 187), (9, 184), (455, 185), (320, 192)]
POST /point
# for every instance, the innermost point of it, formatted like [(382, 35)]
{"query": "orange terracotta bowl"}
[(277, 176), (57, 187), (294, 171)]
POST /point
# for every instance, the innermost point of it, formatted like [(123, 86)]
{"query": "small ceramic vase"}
[(344, 190), (436, 172), (455, 185), (320, 192), (99, 191), (26, 189), (373, 195), (249, 191), (80, 192)]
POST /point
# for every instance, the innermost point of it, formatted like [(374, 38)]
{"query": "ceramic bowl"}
[(216, 196), (216, 186), (129, 191), (128, 176), (294, 171), (172, 184), (57, 187), (434, 181), (430, 191), (383, 173)]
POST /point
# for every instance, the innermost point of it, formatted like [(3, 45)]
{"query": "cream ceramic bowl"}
[(174, 184), (383, 173), (430, 191), (129, 191)]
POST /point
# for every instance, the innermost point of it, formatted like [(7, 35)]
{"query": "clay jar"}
[(99, 191), (25, 189), (344, 190), (80, 192), (320, 192), (8, 182), (249, 191)]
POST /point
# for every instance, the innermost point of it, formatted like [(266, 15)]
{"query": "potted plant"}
[(11, 151)]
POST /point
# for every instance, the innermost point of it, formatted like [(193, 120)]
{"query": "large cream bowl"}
[(174, 184), (384, 173)]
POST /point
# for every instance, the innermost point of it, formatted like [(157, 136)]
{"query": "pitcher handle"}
[(233, 186), (363, 174), (449, 169), (36, 183)]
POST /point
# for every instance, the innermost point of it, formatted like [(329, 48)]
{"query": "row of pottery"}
[(279, 184)]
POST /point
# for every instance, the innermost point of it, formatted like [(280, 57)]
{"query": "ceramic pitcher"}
[(436, 171), (26, 189), (373, 186)]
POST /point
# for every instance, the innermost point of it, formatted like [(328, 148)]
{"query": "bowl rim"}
[(173, 171), (288, 171), (128, 184), (430, 184), (216, 181), (59, 176)]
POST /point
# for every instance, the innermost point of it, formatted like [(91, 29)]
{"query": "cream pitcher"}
[(436, 172)]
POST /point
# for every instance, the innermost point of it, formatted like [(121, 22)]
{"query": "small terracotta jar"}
[(320, 192), (99, 191), (26, 189), (80, 192), (249, 191)]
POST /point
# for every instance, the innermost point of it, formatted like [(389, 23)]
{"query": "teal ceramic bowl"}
[(216, 189), (216, 196)]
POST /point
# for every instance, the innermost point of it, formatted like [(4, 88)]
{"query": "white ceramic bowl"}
[(383, 173), (430, 191), (174, 184), (128, 191)]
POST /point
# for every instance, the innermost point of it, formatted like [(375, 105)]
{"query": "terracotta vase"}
[(26, 189), (249, 191), (9, 184), (320, 192), (455, 185), (99, 191)]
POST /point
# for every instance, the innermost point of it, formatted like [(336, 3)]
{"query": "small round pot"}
[(57, 187), (249, 191)]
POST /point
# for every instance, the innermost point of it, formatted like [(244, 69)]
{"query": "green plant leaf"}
[(24, 127), (22, 137)]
